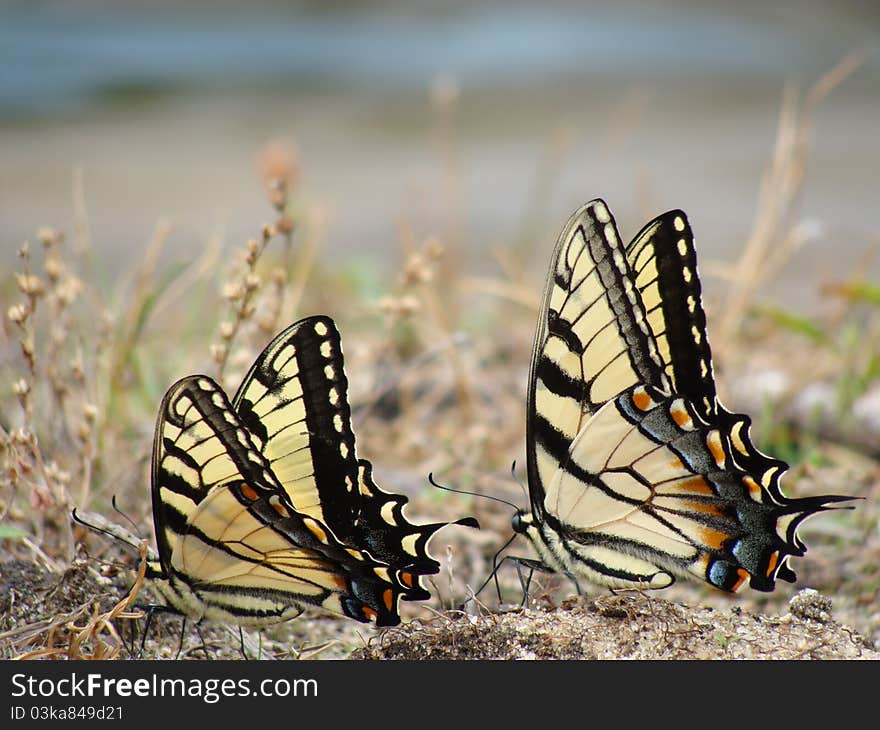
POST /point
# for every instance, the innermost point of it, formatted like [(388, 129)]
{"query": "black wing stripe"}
[(308, 355), (665, 249)]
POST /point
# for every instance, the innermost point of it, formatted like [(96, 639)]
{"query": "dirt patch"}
[(35, 601), (29, 593), (628, 627), (43, 613)]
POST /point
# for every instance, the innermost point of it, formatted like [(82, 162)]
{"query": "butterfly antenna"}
[(518, 480), (94, 528), (472, 494), (125, 516)]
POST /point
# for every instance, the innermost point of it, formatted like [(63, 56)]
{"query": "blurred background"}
[(413, 163), (478, 122)]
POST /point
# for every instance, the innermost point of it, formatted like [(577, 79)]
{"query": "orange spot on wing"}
[(641, 400), (771, 566), (369, 613), (697, 485), (249, 493), (681, 416), (316, 530), (278, 507), (753, 487), (388, 597), (407, 579), (707, 508), (743, 574), (713, 441), (676, 464), (713, 538), (339, 581)]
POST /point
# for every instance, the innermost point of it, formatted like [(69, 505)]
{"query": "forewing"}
[(592, 341), (664, 266), (294, 403)]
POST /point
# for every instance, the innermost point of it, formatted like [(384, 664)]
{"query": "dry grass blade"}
[(64, 638), (775, 234), (140, 301)]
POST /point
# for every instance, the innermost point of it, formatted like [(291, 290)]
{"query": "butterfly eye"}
[(518, 523)]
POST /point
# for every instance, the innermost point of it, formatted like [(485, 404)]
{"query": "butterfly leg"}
[(525, 584), (496, 564), (532, 565), (150, 610), (241, 644), (202, 639), (493, 576), (182, 633), (577, 586), (132, 636)]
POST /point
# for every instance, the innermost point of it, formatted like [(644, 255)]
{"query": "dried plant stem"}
[(134, 319), (547, 174), (463, 387), (280, 275), (775, 235), (241, 294), (298, 276), (74, 637), (23, 316)]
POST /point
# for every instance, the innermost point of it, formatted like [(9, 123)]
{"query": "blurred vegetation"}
[(437, 358)]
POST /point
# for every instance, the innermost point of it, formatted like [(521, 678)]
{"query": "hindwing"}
[(664, 262)]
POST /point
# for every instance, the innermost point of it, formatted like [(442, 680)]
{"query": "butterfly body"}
[(637, 474)]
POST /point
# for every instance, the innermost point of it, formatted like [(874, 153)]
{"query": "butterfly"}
[(636, 473), (261, 506)]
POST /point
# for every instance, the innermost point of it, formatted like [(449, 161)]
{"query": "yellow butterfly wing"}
[(231, 544), (636, 472)]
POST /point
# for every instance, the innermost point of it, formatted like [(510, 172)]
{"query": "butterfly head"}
[(521, 521)]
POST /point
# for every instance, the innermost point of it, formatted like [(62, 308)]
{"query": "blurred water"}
[(56, 57), (165, 106)]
